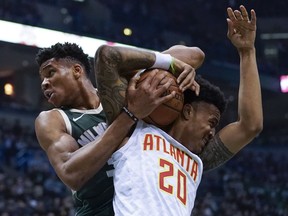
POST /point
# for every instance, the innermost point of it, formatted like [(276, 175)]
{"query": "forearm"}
[(114, 66), (193, 56), (84, 163), (250, 102), (250, 118), (124, 59)]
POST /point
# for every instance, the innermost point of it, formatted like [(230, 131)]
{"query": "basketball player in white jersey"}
[(154, 173)]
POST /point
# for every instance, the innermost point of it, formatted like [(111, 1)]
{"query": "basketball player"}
[(154, 173), (69, 133)]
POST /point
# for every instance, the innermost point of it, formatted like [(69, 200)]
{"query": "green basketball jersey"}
[(95, 197)]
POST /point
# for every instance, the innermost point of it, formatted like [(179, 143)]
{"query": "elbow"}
[(257, 125), (73, 184), (254, 128), (102, 53), (200, 57), (72, 180)]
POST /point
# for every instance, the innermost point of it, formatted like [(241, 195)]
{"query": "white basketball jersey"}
[(154, 175)]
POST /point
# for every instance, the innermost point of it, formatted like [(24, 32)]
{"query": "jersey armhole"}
[(66, 121)]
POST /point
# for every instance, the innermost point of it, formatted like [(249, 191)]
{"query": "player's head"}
[(68, 51), (209, 93), (63, 68), (202, 114)]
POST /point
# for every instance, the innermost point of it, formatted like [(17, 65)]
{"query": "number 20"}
[(181, 181)]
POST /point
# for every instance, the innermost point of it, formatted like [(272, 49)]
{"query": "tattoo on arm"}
[(112, 98), (113, 67), (215, 154), (111, 87)]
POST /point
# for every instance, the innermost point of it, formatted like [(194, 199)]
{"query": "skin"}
[(114, 66), (199, 119), (65, 83), (242, 34), (114, 62), (195, 128)]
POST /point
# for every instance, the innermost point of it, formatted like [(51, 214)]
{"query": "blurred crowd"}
[(253, 183), (155, 24), (28, 184)]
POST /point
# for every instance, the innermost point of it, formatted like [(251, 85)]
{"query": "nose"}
[(45, 84)]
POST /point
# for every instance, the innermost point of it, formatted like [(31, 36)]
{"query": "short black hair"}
[(61, 51), (209, 93)]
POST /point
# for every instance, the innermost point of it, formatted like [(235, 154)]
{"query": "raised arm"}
[(233, 137)]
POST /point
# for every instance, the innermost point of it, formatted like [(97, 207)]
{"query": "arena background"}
[(255, 182)]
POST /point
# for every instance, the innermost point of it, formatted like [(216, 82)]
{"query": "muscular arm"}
[(112, 69), (193, 56), (74, 165), (115, 65), (238, 134)]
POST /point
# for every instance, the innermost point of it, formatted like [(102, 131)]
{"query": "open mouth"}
[(48, 94)]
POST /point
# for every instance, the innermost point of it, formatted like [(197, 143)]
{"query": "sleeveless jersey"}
[(154, 175), (95, 197)]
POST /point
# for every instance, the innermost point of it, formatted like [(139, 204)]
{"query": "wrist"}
[(162, 61), (247, 50), (130, 114), (247, 53)]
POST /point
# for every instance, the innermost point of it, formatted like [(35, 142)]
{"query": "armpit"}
[(215, 154)]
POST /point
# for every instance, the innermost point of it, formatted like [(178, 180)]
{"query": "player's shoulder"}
[(48, 116), (47, 113)]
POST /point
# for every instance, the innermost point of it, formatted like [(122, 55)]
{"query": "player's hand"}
[(186, 75), (142, 99), (241, 29)]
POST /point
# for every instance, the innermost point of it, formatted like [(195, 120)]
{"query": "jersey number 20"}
[(180, 185)]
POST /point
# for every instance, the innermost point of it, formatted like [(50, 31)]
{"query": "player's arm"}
[(115, 65), (233, 137), (74, 165), (193, 56)]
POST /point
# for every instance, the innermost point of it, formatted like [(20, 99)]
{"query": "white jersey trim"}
[(66, 119)]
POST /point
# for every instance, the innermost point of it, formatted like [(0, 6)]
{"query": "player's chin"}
[(201, 147), (198, 150)]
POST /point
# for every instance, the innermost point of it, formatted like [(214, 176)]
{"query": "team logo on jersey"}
[(92, 134), (76, 119)]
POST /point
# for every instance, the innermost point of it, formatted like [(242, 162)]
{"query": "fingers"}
[(230, 28), (160, 89), (158, 78), (133, 82), (244, 13), (196, 88), (155, 83), (231, 14), (253, 17), (186, 78), (166, 98), (237, 15)]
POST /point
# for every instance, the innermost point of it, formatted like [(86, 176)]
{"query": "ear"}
[(187, 111), (77, 71)]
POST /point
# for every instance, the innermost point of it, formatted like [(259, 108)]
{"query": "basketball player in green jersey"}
[(69, 133)]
